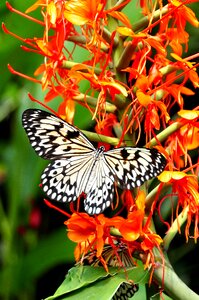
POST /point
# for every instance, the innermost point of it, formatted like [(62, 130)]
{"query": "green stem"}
[(117, 51), (70, 64), (95, 137), (81, 40), (119, 102), (168, 69), (144, 22), (174, 229), (152, 195), (165, 133), (172, 284), (93, 102), (126, 57), (106, 34)]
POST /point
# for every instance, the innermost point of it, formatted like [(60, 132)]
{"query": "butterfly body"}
[(78, 167)]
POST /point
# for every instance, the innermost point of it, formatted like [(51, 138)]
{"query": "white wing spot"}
[(49, 192), (45, 188), (98, 210), (53, 196), (59, 197), (64, 199)]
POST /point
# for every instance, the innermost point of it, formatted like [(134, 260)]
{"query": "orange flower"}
[(128, 200), (131, 228), (80, 12), (90, 15), (172, 25), (90, 233), (177, 91), (135, 226), (151, 240), (105, 127), (155, 111), (183, 14), (104, 84), (185, 187), (87, 231), (37, 4), (186, 138)]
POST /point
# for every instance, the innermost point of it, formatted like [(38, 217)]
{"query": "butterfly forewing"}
[(51, 137), (133, 166)]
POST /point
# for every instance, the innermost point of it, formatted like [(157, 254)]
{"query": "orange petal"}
[(121, 17), (188, 114), (125, 31), (144, 99), (166, 176)]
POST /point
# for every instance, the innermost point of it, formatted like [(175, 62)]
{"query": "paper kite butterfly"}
[(77, 167), (115, 258)]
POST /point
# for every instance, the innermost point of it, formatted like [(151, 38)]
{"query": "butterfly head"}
[(101, 149)]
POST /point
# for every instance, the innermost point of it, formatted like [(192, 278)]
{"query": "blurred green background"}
[(35, 252)]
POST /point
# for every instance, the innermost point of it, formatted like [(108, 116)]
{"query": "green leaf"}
[(87, 282), (79, 277)]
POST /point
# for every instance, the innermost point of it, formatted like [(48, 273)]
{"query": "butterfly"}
[(115, 257), (125, 291), (77, 167)]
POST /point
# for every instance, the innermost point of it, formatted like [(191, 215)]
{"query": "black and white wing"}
[(78, 167), (125, 291), (75, 167), (66, 179), (72, 155), (133, 166), (100, 188), (52, 138)]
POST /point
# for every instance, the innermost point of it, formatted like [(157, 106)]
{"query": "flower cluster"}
[(133, 82), (91, 234)]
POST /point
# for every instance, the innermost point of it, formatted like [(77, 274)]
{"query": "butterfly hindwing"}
[(100, 188), (66, 179), (51, 137), (133, 166)]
